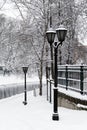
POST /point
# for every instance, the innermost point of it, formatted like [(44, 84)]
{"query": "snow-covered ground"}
[(37, 115)]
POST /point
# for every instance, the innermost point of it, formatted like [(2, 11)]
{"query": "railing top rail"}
[(72, 67)]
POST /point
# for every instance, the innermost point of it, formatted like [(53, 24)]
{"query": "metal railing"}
[(72, 77)]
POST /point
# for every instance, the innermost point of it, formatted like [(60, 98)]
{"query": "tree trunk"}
[(40, 89)]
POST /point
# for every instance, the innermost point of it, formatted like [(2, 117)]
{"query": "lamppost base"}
[(55, 116), (24, 102)]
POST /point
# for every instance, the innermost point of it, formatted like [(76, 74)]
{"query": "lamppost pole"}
[(55, 115), (61, 33), (25, 69), (55, 92), (25, 91), (55, 89)]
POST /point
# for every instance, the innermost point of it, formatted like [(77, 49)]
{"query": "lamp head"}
[(50, 35), (61, 33), (25, 69)]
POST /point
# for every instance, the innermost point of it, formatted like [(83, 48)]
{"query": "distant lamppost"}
[(25, 69), (61, 33)]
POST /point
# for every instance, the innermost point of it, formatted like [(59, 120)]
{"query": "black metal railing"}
[(72, 77)]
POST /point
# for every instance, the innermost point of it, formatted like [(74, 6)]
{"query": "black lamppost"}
[(61, 33), (25, 69)]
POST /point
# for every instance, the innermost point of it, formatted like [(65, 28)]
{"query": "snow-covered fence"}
[(71, 77), (13, 89)]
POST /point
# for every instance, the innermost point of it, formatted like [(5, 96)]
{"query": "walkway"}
[(37, 114)]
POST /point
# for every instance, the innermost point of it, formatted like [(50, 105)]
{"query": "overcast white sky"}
[(9, 9)]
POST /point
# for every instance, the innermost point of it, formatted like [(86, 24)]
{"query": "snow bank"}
[(73, 94)]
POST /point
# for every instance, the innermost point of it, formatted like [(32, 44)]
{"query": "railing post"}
[(81, 79), (50, 90), (47, 80), (47, 77), (66, 74), (47, 89)]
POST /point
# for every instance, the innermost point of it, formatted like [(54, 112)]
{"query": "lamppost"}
[(25, 69), (61, 33)]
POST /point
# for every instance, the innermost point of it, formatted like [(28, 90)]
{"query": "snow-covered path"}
[(37, 115)]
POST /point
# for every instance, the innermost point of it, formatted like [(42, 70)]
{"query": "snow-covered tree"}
[(37, 15)]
